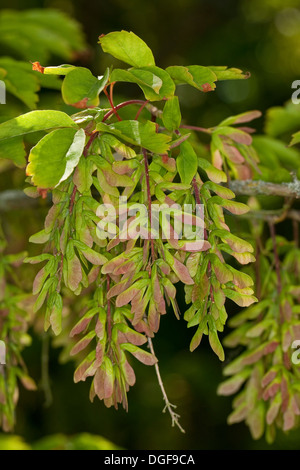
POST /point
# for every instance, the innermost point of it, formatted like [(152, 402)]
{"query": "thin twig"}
[(110, 99), (120, 106), (174, 416), (140, 110), (88, 145), (152, 109)]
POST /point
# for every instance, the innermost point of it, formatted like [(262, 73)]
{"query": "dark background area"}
[(262, 37)]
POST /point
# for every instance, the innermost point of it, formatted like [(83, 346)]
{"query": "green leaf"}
[(234, 207), (156, 83), (275, 154), (119, 147), (20, 81), (39, 258), (197, 76), (48, 168), (235, 243), (282, 120), (81, 89), (240, 299), (221, 191), (215, 175), (137, 133), (187, 162), (63, 69), (83, 175), (221, 270), (91, 255), (225, 73), (35, 34), (128, 47), (171, 116), (41, 120), (13, 149), (39, 237), (240, 279), (296, 138)]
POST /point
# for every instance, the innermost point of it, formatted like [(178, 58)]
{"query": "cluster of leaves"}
[(15, 318), (264, 373), (270, 381), (101, 165), (100, 156)]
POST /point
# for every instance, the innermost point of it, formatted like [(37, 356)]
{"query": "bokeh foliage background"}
[(261, 36)]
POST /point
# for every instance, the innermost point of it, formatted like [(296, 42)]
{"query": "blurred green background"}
[(259, 36)]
